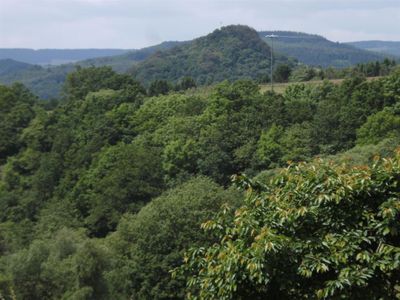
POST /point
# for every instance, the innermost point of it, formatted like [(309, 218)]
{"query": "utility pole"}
[(272, 36)]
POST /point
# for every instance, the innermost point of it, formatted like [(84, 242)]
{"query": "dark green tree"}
[(84, 80), (16, 111), (147, 245), (282, 73), (382, 125), (66, 266), (316, 231), (159, 87), (269, 148), (185, 83), (122, 178)]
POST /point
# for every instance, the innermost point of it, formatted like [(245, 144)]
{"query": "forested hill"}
[(386, 47), (231, 52), (316, 50)]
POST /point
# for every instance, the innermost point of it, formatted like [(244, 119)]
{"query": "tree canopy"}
[(102, 192), (315, 231)]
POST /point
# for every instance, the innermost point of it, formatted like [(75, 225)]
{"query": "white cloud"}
[(135, 23)]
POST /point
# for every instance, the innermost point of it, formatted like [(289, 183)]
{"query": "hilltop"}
[(231, 52), (316, 50)]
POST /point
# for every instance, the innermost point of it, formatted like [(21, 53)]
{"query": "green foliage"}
[(302, 73), (159, 87), (179, 159), (233, 121), (84, 80), (297, 143), (60, 147), (382, 125), (107, 150), (151, 243), (16, 111), (364, 154), (185, 83), (282, 73), (122, 178), (278, 146), (67, 266), (316, 231), (269, 150)]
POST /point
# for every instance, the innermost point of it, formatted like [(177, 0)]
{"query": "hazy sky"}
[(136, 24)]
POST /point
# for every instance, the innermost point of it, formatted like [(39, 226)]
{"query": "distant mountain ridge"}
[(56, 56), (386, 47), (315, 50)]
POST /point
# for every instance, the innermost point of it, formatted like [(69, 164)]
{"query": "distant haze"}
[(55, 57), (132, 24)]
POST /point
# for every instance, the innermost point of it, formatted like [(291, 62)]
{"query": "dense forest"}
[(103, 196)]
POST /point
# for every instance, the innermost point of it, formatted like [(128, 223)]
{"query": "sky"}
[(132, 24)]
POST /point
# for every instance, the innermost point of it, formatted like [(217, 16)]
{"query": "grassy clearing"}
[(281, 87), (278, 87)]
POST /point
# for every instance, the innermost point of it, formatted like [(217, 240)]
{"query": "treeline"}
[(101, 196), (302, 73)]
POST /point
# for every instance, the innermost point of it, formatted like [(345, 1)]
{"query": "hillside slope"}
[(45, 82), (8, 66), (385, 47), (123, 62), (316, 50), (232, 52)]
